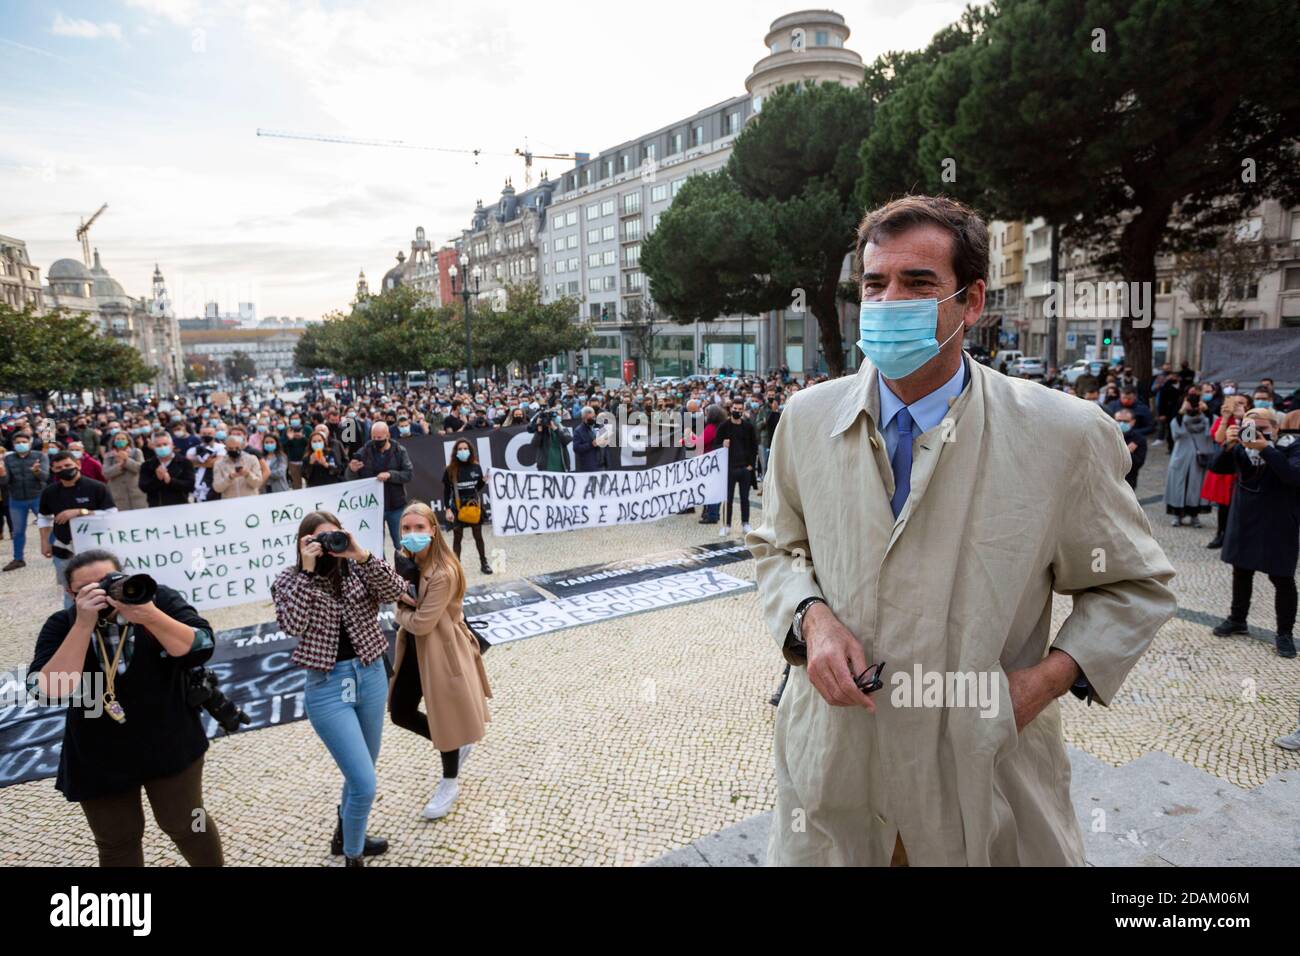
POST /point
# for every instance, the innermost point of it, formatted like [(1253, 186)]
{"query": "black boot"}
[(1285, 645), (1216, 541), (1229, 626), (484, 567), (374, 845), (354, 861)]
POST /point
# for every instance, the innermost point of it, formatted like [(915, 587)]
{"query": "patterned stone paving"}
[(614, 744)]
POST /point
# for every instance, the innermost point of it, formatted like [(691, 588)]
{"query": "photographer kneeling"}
[(136, 731), (330, 602)]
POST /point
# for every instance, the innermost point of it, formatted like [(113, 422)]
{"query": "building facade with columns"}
[(20, 281)]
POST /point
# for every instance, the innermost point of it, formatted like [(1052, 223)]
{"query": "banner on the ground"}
[(219, 553), (514, 624), (538, 502), (512, 449), (596, 577)]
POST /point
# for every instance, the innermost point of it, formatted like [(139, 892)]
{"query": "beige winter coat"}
[(1026, 496)]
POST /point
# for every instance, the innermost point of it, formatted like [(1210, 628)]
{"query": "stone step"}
[(743, 844)]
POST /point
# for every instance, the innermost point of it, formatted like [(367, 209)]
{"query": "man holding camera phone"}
[(239, 473), (123, 670)]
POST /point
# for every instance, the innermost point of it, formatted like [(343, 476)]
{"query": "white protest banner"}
[(531, 620), (532, 502), (218, 553)]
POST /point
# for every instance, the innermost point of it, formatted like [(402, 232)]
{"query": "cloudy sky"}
[(152, 106)]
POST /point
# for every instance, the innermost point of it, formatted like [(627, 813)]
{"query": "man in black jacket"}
[(166, 478), (389, 462), (1137, 445), (741, 441), (585, 449)]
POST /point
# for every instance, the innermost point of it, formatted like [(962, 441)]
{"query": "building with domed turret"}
[(146, 324)]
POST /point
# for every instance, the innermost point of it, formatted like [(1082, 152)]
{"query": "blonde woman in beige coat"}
[(122, 473), (437, 658)]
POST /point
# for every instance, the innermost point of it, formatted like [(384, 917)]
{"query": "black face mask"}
[(327, 565), (67, 474)]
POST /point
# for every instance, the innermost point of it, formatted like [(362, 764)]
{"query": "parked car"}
[(1010, 356), (1081, 367), (1027, 367)]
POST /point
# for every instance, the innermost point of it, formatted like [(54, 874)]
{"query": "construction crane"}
[(527, 154), (83, 233)]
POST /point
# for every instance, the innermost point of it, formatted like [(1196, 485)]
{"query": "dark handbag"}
[(476, 628), (1206, 458)]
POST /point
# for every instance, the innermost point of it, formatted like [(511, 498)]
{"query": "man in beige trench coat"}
[(1011, 491)]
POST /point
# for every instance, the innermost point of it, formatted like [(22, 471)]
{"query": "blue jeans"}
[(394, 521), (61, 578), (20, 511), (346, 709)]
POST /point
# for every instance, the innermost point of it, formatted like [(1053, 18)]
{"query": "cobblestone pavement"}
[(614, 744)]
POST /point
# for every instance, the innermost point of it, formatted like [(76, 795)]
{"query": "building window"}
[(573, 288), (608, 169), (632, 230), (651, 152), (654, 221), (631, 203), (758, 104), (634, 281), (697, 135), (572, 218), (573, 264), (731, 123), (532, 263), (609, 232), (610, 283), (1295, 226), (625, 163), (593, 260), (631, 256), (821, 38), (593, 211), (677, 185), (593, 285), (593, 236), (573, 241), (609, 257), (561, 266), (659, 192), (607, 207), (674, 144)]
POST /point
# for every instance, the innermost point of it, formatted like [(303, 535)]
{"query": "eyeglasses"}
[(869, 680)]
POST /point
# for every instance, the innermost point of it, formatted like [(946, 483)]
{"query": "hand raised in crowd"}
[(354, 465), (1233, 436)]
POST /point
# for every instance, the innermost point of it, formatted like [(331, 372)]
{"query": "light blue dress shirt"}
[(927, 411)]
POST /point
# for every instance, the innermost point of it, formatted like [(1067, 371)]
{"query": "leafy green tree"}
[(1138, 128), (240, 366), (63, 352), (527, 330), (771, 230)]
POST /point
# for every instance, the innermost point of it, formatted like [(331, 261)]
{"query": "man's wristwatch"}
[(795, 649), (84, 512), (797, 627)]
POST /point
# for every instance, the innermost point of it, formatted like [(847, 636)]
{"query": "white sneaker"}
[(724, 531), (746, 528), (1291, 741), (439, 804)]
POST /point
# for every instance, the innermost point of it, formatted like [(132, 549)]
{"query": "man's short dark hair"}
[(83, 558), (970, 236), (1128, 390), (59, 456)]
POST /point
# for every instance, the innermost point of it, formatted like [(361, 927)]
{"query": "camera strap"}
[(111, 705)]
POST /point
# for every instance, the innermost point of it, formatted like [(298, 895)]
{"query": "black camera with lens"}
[(202, 690), (335, 542), (129, 588)]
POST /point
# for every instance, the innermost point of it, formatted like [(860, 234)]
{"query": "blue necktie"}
[(902, 461)]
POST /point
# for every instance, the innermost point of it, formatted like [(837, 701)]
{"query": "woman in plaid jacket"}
[(330, 602)]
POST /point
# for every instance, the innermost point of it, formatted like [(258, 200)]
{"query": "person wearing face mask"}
[(585, 450), (437, 658), (68, 496), (1263, 532), (323, 462), (463, 482), (389, 463), (1217, 488), (89, 466), (1136, 443), (739, 438), (122, 465), (237, 474), (294, 443), (24, 474), (204, 457), (1192, 450), (275, 464), (330, 603), (897, 498)]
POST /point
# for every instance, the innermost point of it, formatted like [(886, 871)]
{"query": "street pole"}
[(469, 359)]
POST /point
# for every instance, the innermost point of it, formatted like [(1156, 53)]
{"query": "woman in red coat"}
[(1218, 488)]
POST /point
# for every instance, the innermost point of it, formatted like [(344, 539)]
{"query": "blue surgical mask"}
[(901, 335), (221, 435), (1125, 427), (22, 447), (1263, 403), (415, 543), (463, 455), (164, 451)]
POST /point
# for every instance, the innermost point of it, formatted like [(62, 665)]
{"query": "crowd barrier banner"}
[(511, 449), (539, 502), (219, 553)]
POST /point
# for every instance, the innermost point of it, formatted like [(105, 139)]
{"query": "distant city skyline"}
[(152, 107)]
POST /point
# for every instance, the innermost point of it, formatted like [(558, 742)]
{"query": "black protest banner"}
[(253, 669), (596, 577), (512, 449)]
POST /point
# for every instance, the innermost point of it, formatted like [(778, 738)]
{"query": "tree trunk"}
[(826, 308), (1138, 244)]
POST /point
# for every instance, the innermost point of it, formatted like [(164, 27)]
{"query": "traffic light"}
[(1106, 338), (546, 366)]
